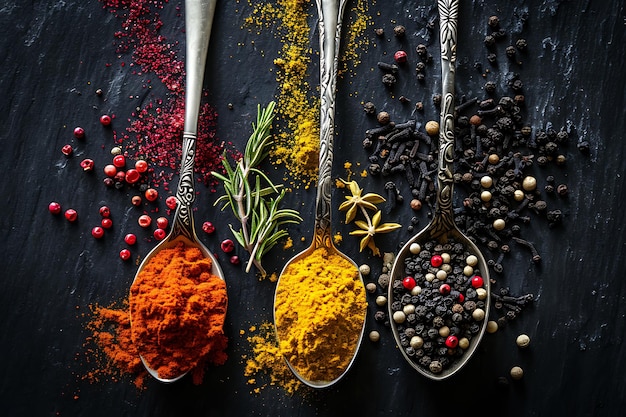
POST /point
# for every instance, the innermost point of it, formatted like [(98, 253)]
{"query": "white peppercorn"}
[(370, 287), (492, 326), (399, 317), (381, 300), (415, 248), (517, 372), (374, 336), (529, 183), (522, 340), (364, 269), (478, 314), (416, 342)]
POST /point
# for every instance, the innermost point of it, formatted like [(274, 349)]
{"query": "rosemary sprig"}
[(253, 198)]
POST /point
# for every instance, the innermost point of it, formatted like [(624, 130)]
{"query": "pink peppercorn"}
[(477, 281), (125, 254), (105, 120), (71, 215), (452, 341), (159, 234), (409, 283), (208, 228), (130, 239), (54, 208), (436, 261), (400, 57), (79, 132), (171, 202), (227, 245), (67, 150)]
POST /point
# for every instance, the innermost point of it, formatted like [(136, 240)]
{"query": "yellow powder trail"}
[(297, 135)]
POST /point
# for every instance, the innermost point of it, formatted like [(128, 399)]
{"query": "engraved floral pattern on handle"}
[(448, 32), (330, 13)]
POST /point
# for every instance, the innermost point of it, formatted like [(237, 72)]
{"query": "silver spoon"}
[(330, 13), (198, 22), (442, 226)]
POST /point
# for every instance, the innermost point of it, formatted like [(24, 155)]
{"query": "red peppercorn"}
[(227, 245), (54, 208), (132, 176), (108, 182), (87, 164), (120, 176), (105, 119), (71, 215), (151, 194), (144, 220), (119, 161), (105, 211), (452, 341), (409, 283), (106, 223), (444, 289), (400, 57), (162, 222), (234, 260), (477, 281), (461, 298), (136, 200), (110, 170), (67, 150), (141, 166), (436, 261), (79, 132), (171, 202), (130, 239), (125, 254), (208, 227), (97, 232), (159, 234)]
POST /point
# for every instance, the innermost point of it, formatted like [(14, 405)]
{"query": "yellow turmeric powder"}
[(320, 310)]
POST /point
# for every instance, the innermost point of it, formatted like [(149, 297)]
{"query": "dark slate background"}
[(52, 271)]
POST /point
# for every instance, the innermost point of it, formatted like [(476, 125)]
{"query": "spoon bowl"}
[(442, 228), (198, 22), (330, 13)]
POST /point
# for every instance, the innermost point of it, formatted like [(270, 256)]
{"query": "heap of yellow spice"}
[(320, 310)]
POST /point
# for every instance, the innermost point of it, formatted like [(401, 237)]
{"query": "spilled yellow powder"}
[(297, 144), (337, 238), (267, 362)]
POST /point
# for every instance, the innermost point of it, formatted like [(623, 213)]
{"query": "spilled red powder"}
[(155, 131), (109, 351)]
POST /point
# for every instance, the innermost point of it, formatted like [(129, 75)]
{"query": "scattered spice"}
[(268, 360), (320, 310), (357, 203), (178, 309), (297, 146), (109, 346), (153, 131)]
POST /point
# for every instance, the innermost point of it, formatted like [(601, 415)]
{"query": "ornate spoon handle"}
[(330, 14), (198, 22), (448, 31)]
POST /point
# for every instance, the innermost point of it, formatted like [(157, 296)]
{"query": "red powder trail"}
[(155, 131)]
